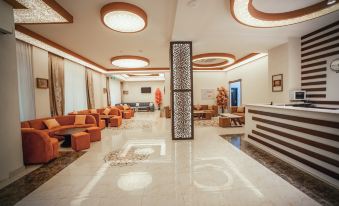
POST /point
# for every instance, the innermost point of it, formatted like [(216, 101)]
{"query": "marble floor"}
[(206, 171)]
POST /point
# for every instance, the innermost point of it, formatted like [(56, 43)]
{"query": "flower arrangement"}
[(222, 98), (158, 97)]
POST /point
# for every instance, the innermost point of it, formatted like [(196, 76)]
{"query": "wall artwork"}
[(277, 83), (207, 94), (125, 92), (41, 83)]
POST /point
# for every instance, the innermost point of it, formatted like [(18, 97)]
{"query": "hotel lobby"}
[(169, 102)]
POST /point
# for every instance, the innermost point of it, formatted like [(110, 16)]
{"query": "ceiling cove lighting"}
[(245, 13), (123, 17), (208, 60), (130, 61)]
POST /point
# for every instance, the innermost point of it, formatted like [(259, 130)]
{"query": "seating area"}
[(140, 106), (172, 102)]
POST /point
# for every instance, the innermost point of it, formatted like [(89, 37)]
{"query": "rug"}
[(17, 190), (133, 124), (134, 155)]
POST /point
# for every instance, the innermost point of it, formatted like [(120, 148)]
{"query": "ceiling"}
[(208, 24)]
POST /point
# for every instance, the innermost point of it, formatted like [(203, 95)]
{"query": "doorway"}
[(235, 92)]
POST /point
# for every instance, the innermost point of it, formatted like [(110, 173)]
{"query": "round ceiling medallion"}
[(123, 17), (245, 13), (130, 61), (213, 60)]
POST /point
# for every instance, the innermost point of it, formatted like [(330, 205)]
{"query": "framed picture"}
[(42, 83), (277, 83), (125, 92)]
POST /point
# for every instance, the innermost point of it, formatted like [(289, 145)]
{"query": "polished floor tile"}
[(205, 171)]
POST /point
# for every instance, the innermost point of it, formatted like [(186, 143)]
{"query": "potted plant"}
[(222, 98), (158, 97)]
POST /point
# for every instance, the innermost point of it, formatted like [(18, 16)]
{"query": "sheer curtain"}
[(75, 87), (108, 91), (98, 90), (26, 81)]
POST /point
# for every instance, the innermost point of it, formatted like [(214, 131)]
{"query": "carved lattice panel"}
[(182, 118), (182, 90)]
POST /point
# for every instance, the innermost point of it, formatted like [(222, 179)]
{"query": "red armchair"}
[(38, 147)]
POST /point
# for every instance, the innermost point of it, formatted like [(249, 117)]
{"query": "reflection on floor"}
[(20, 188), (320, 191), (205, 171)]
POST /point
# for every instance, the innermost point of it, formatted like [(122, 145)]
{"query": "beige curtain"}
[(56, 84), (90, 89), (108, 92)]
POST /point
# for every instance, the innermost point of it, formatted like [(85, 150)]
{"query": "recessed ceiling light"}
[(124, 17), (130, 61), (207, 60), (245, 13)]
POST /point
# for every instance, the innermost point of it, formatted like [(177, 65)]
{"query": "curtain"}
[(25, 81), (56, 84), (108, 92), (98, 90), (75, 87), (90, 89)]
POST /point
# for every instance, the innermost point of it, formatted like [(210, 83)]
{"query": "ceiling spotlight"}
[(130, 61), (330, 2), (124, 17)]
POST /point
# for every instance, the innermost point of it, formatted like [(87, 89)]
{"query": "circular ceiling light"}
[(245, 13), (213, 60), (123, 17), (130, 61)]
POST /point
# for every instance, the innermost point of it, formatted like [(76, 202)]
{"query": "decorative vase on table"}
[(222, 98)]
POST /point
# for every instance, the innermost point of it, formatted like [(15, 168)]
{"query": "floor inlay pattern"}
[(134, 124), (118, 158), (320, 191), (14, 192)]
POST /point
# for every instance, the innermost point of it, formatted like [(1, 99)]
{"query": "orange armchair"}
[(38, 147)]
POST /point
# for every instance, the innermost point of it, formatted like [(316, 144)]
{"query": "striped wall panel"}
[(318, 48), (309, 142)]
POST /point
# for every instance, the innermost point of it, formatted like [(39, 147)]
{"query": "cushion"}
[(241, 109), (80, 119), (137, 104), (198, 107), (93, 111), (126, 107), (106, 111), (51, 123), (151, 104)]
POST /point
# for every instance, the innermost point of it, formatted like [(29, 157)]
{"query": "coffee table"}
[(107, 118), (235, 119), (203, 114), (67, 134)]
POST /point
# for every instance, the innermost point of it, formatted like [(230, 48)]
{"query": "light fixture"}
[(330, 2), (123, 17), (207, 60), (130, 61), (245, 13)]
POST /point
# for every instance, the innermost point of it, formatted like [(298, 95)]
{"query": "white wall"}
[(167, 94), (207, 80), (10, 137), (40, 70), (115, 89), (285, 59), (134, 91), (254, 81)]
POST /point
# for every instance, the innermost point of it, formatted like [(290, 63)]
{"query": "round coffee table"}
[(67, 134)]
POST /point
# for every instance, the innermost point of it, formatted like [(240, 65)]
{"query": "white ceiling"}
[(208, 23)]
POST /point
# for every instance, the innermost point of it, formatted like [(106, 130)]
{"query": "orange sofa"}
[(100, 122), (116, 115), (128, 110), (39, 143), (240, 111)]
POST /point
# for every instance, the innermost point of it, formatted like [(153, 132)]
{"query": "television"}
[(146, 89)]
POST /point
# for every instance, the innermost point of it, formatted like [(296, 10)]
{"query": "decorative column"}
[(182, 90)]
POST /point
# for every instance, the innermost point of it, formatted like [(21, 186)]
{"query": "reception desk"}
[(307, 138)]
